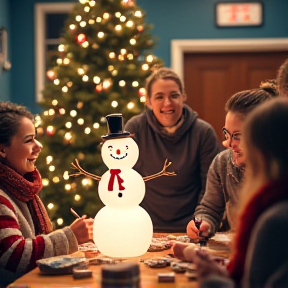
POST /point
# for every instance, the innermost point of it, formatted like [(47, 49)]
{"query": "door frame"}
[(179, 47)]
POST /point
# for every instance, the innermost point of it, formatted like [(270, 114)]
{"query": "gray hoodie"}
[(171, 200)]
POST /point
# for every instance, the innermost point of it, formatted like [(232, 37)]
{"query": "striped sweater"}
[(20, 248)]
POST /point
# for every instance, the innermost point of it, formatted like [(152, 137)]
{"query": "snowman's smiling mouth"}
[(119, 158)]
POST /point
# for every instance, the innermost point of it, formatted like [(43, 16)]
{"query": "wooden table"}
[(148, 276)]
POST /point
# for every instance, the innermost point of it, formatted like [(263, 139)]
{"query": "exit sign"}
[(239, 14)]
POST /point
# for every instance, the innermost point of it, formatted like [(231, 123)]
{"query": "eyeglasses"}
[(236, 136)]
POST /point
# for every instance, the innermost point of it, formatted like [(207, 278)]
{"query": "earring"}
[(3, 153)]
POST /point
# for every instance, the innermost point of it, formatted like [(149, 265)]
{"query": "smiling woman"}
[(25, 228), (170, 129), (225, 175)]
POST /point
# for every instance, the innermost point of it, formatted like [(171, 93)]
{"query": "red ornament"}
[(81, 38), (51, 75), (99, 88)]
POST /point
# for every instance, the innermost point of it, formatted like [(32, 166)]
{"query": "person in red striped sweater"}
[(26, 232)]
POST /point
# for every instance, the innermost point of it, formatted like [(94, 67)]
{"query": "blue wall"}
[(5, 75), (181, 19)]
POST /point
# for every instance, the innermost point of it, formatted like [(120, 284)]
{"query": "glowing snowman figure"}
[(122, 228)]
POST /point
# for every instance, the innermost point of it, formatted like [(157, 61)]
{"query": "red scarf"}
[(115, 172), (26, 189), (268, 195)]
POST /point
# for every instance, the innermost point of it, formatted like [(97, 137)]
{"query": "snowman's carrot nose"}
[(118, 151)]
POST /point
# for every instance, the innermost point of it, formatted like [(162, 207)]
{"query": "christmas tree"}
[(100, 68)]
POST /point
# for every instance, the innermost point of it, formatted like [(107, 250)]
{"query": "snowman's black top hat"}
[(115, 127)]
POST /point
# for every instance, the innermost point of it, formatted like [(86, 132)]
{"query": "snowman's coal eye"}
[(127, 147), (110, 148)]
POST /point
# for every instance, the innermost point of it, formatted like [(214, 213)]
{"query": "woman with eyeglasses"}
[(225, 175)]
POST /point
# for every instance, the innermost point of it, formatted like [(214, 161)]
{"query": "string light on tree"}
[(96, 69)]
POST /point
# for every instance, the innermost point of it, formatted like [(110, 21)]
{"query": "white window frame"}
[(40, 11)]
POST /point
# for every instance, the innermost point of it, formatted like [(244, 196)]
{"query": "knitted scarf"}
[(26, 189), (267, 196)]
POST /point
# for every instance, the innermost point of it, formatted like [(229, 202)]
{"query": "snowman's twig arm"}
[(163, 172), (77, 166)]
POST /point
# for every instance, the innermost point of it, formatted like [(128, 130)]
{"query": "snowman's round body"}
[(122, 228)]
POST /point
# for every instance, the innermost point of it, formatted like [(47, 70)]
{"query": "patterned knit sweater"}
[(20, 247)]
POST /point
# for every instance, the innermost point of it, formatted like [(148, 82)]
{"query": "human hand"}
[(207, 266), (83, 229), (193, 232)]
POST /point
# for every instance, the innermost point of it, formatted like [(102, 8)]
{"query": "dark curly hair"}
[(10, 117)]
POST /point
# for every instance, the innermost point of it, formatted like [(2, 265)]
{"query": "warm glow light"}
[(67, 187), (96, 80), (106, 16), (123, 51), (73, 113), (96, 125), (61, 48), (98, 19), (62, 111), (86, 9), (118, 27), (60, 221), (130, 56), (66, 175), (142, 99), (66, 61), (54, 102), (68, 125), (85, 44), (45, 181), (138, 14), (56, 179), (80, 71), (65, 89), (87, 130), (78, 18), (106, 84), (145, 67), (92, 3), (85, 78), (132, 41), (50, 206), (122, 210), (51, 168), (68, 136), (72, 26), (114, 104), (150, 58), (130, 105), (112, 55), (135, 83), (100, 34), (122, 18), (122, 83), (118, 14), (51, 112), (129, 23), (56, 81), (80, 121), (77, 197), (49, 159), (59, 61)]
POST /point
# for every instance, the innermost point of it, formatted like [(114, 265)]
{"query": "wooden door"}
[(211, 78)]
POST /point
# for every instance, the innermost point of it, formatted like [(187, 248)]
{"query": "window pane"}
[(55, 24)]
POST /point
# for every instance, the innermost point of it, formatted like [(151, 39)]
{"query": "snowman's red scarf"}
[(26, 188), (268, 195), (115, 172)]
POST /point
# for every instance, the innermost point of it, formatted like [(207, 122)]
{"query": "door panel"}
[(211, 78)]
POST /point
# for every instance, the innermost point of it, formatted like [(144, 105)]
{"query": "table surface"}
[(148, 276)]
